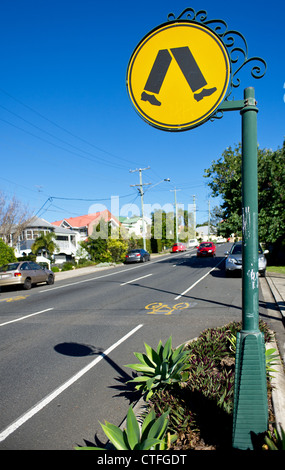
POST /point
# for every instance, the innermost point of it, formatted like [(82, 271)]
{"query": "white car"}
[(193, 242), (234, 259), (221, 240)]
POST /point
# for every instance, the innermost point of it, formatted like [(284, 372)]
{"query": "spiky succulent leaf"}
[(115, 435)]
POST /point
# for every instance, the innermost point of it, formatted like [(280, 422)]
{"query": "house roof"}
[(86, 220), (38, 222)]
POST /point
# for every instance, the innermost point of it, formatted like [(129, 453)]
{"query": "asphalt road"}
[(64, 347)]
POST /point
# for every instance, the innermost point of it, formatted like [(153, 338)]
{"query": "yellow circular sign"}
[(178, 75)]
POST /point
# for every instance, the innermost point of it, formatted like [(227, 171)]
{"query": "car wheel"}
[(262, 273), (50, 280), (143, 259), (27, 284)]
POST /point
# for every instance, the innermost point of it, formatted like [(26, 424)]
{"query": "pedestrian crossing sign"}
[(178, 75)]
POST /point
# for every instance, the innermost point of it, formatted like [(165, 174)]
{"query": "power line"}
[(60, 127)]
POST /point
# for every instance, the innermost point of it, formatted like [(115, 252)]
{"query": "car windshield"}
[(134, 251), (9, 267), (236, 250), (206, 244)]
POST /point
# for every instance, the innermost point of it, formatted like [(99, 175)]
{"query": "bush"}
[(7, 254), (67, 266)]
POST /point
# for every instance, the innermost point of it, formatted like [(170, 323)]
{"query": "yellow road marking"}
[(163, 309), (13, 299)]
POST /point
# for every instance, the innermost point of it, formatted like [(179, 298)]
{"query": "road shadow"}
[(127, 390)]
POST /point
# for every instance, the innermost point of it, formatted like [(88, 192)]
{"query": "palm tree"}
[(44, 243)]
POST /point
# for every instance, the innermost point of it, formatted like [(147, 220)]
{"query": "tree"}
[(14, 217), (7, 254), (45, 244), (225, 181)]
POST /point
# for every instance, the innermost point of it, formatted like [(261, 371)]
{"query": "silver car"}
[(234, 259), (26, 273)]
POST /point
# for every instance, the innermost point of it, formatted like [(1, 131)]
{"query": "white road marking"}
[(197, 282), (26, 316), (134, 280), (39, 406), (105, 275)]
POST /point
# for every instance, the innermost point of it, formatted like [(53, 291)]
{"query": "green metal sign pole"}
[(250, 415), (250, 403)]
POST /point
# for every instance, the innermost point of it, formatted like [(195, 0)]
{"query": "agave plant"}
[(150, 435), (159, 368)]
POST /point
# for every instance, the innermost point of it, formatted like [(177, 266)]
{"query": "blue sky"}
[(69, 135)]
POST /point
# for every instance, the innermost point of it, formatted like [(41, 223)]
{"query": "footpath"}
[(276, 284)]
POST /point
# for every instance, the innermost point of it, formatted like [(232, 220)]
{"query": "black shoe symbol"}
[(152, 99), (204, 92)]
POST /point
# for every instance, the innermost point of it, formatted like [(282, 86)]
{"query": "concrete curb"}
[(276, 294), (278, 379)]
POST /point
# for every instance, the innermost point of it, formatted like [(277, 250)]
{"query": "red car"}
[(178, 247), (206, 249)]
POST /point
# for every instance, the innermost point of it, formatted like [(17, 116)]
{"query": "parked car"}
[(137, 255), (234, 259), (26, 273), (193, 242), (221, 240), (206, 249), (178, 247)]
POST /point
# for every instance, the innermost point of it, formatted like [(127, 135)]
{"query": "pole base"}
[(250, 403)]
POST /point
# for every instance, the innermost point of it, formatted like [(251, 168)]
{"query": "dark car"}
[(206, 249), (137, 256), (25, 273)]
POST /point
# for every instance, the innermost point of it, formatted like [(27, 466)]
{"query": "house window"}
[(29, 235)]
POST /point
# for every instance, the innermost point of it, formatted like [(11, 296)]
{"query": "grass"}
[(276, 269), (201, 407)]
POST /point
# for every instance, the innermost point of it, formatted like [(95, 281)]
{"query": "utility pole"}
[(141, 193), (209, 220), (194, 212), (176, 213)]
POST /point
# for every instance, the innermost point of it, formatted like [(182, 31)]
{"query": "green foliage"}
[(178, 404), (7, 254), (270, 356), (276, 441), (225, 181), (68, 266), (159, 368), (117, 249), (151, 434), (44, 243)]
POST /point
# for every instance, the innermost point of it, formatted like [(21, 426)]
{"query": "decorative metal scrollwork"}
[(234, 42)]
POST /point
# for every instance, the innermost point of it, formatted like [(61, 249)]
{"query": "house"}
[(203, 233), (66, 240), (134, 225), (84, 225)]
